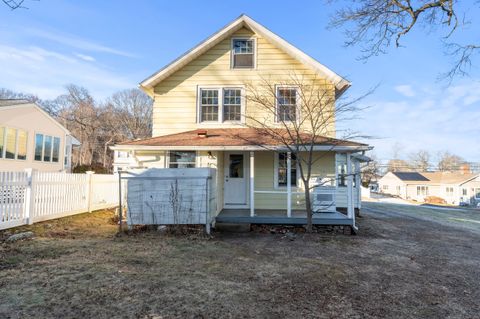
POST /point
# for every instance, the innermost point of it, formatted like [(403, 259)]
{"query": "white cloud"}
[(405, 90), (75, 42), (45, 72), (437, 119), (85, 57)]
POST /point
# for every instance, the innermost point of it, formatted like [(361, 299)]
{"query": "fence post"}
[(29, 202), (90, 190)]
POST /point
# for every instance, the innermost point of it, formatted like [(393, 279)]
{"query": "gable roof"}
[(410, 176), (230, 137), (341, 84), (435, 177), (20, 103), (448, 177)]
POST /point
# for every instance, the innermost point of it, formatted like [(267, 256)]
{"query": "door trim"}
[(246, 169)]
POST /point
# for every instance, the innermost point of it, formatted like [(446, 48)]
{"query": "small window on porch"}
[(281, 170), (182, 159)]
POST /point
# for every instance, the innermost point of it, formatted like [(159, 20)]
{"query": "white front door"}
[(235, 183)]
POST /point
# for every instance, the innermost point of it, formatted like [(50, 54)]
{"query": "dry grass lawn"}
[(77, 267)]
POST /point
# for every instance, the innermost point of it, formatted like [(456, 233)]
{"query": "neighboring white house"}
[(455, 188), (31, 138)]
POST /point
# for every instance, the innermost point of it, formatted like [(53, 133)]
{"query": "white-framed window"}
[(422, 190), (47, 148), (13, 143), (182, 159), (477, 193), (220, 104), (280, 170), (449, 191), (385, 187), (464, 192), (286, 104), (243, 53), (232, 104)]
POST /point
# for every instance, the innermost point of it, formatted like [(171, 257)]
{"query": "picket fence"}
[(30, 196)]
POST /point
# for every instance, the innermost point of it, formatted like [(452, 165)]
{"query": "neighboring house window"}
[(2, 141), (123, 154), (286, 104), (66, 159), (13, 143), (243, 56), (449, 191), (47, 148), (220, 104), (232, 104), (385, 187), (10, 141), (464, 192), (38, 147), (399, 189), (182, 159), (477, 193), (281, 169), (422, 190), (209, 105)]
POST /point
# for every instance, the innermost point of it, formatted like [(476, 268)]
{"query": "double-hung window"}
[(232, 104), (449, 191), (209, 105), (243, 53), (477, 193), (182, 159), (422, 190), (281, 170), (220, 104), (287, 102)]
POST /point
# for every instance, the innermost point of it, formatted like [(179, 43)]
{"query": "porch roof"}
[(235, 138)]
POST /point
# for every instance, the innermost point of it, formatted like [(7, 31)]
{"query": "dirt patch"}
[(394, 268)]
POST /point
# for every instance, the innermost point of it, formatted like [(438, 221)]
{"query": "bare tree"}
[(371, 171), (420, 160), (297, 120), (9, 94), (398, 165), (449, 162), (376, 24), (14, 4), (133, 113)]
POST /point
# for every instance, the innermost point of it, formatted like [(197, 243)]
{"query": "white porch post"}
[(289, 184), (350, 209), (358, 183), (252, 184)]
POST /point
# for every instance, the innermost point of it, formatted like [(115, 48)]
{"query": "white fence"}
[(170, 196), (31, 196)]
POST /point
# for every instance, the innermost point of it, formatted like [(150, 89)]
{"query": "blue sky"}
[(111, 45)]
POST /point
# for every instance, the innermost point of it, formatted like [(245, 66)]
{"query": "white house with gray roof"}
[(456, 188)]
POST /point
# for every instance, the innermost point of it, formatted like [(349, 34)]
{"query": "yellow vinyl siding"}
[(175, 98)]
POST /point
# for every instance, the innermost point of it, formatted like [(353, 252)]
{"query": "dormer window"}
[(243, 53)]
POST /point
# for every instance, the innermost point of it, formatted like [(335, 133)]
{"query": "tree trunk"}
[(308, 206)]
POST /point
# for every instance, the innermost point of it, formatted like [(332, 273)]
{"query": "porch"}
[(279, 217)]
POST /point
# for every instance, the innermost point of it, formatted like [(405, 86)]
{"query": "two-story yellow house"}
[(200, 119)]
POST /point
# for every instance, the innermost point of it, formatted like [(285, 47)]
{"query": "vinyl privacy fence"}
[(30, 196)]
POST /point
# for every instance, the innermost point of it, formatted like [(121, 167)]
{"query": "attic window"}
[(243, 53)]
